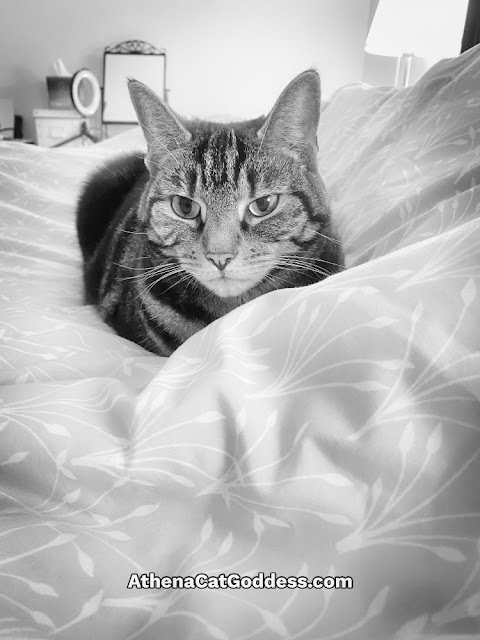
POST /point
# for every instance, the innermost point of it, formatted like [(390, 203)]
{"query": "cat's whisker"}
[(298, 266), (151, 161), (128, 266), (314, 263), (162, 273), (155, 138), (334, 240), (276, 281), (300, 263), (264, 136), (135, 233), (143, 294), (307, 258), (150, 287), (192, 281), (147, 273), (162, 277), (152, 267), (269, 264), (187, 276), (290, 266)]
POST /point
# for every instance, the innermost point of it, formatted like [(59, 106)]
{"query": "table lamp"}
[(425, 28)]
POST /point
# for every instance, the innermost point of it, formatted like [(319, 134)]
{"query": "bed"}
[(331, 431)]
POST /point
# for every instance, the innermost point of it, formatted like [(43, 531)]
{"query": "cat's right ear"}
[(161, 127), (293, 121)]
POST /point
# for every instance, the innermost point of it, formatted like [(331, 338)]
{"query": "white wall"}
[(224, 56)]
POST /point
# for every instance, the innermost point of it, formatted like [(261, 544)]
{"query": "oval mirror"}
[(86, 92)]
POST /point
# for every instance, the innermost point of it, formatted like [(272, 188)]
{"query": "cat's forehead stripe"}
[(191, 181), (220, 156), (240, 158)]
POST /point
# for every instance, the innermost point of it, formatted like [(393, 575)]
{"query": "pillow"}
[(402, 165)]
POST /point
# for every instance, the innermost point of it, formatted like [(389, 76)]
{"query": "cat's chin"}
[(229, 287)]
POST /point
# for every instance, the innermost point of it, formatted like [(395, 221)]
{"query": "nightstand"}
[(54, 125)]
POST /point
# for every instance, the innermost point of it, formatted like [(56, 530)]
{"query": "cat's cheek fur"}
[(279, 227), (164, 238), (168, 232)]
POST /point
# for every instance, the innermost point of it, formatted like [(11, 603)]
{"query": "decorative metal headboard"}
[(132, 58)]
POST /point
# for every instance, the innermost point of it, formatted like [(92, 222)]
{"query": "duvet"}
[(328, 435)]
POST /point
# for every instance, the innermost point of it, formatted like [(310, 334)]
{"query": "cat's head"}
[(240, 207)]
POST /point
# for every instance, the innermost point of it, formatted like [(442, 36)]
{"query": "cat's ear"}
[(293, 121), (161, 127)]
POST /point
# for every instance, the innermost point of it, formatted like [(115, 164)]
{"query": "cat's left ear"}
[(293, 121), (161, 127)]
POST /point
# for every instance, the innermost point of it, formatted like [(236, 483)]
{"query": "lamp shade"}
[(425, 28)]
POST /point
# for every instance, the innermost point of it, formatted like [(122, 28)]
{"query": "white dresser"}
[(54, 125)]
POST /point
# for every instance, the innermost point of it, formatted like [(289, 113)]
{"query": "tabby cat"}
[(213, 216)]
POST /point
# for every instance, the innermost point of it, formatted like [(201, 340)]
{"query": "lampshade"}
[(425, 28)]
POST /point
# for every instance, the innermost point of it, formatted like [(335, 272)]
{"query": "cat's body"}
[(216, 216)]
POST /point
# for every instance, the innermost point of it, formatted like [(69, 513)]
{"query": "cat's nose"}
[(220, 260)]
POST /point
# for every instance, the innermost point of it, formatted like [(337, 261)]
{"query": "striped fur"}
[(157, 278)]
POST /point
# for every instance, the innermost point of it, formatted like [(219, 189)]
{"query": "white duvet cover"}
[(327, 431)]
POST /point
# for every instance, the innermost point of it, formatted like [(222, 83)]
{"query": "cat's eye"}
[(185, 208), (263, 206)]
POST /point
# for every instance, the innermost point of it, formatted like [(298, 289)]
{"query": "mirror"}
[(130, 59), (85, 92)]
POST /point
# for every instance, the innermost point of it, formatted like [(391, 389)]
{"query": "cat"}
[(213, 216)]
